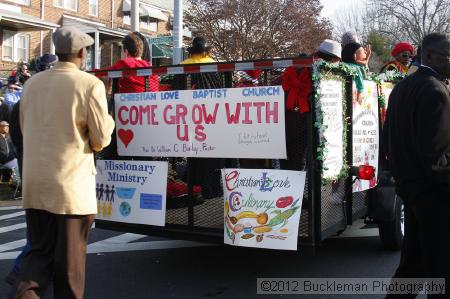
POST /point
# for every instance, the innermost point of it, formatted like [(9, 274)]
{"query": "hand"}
[(368, 50), (359, 98)]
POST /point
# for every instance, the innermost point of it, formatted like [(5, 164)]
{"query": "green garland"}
[(393, 76), (388, 76), (326, 71), (382, 101)]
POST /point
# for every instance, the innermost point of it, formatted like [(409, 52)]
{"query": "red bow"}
[(298, 85)]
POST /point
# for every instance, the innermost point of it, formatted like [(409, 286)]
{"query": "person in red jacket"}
[(133, 47)]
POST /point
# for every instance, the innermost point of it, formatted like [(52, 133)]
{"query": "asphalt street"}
[(136, 266)]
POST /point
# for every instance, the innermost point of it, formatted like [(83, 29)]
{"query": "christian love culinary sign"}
[(228, 123)]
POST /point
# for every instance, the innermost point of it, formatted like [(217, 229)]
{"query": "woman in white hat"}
[(330, 51)]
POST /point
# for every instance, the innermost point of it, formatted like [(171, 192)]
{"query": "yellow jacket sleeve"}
[(100, 124)]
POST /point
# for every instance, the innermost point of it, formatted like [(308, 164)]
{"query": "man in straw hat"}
[(64, 118)]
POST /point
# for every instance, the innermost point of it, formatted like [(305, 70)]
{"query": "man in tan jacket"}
[(64, 118)]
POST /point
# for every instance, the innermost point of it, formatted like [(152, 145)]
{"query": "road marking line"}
[(102, 247), (113, 244), (359, 233), (12, 245), (6, 229), (13, 215), (11, 255), (11, 208), (121, 239)]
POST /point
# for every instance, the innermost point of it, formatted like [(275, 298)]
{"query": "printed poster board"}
[(132, 191), (386, 89), (331, 98), (226, 123), (366, 133), (262, 207)]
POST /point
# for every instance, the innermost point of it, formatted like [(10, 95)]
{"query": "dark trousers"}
[(426, 244), (58, 253)]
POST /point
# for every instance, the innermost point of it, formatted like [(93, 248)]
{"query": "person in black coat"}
[(417, 140), (8, 157), (7, 150)]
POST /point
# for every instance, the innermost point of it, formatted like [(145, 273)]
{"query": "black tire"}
[(391, 232)]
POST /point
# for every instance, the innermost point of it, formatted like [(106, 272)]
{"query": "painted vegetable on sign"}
[(284, 202), (282, 217)]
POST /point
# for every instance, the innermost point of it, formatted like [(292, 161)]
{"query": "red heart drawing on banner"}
[(125, 136)]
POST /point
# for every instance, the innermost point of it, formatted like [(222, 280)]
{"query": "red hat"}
[(401, 47)]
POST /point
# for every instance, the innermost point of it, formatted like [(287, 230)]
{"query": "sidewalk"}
[(11, 203), (7, 197)]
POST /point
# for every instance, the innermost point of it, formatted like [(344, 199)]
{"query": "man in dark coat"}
[(417, 136)]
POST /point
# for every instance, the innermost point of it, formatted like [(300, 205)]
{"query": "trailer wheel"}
[(392, 232)]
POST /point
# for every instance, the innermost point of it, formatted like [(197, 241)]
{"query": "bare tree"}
[(350, 18), (410, 20), (252, 29)]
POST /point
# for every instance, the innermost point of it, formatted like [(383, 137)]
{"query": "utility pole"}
[(177, 31), (134, 13)]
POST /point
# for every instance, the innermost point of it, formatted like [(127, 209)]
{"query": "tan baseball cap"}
[(70, 40)]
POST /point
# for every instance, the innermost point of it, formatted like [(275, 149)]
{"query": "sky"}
[(331, 6)]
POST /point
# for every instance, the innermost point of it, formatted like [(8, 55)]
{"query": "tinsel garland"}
[(327, 71)]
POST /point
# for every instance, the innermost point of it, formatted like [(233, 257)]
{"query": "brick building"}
[(26, 26)]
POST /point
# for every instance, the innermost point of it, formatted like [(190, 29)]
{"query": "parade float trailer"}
[(202, 156)]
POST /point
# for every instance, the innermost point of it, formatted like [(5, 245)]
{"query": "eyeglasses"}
[(407, 56)]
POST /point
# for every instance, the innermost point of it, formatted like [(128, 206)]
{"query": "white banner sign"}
[(132, 191), (262, 207), (230, 123), (331, 103), (366, 132)]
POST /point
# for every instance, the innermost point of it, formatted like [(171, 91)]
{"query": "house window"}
[(16, 47), (126, 20), (8, 46), (66, 4), (22, 48), (23, 2), (149, 25), (93, 8)]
